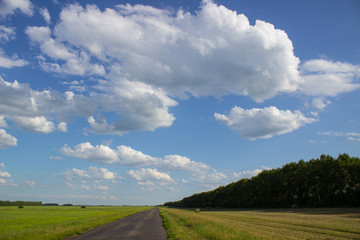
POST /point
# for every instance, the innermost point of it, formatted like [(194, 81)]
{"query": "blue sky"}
[(143, 102)]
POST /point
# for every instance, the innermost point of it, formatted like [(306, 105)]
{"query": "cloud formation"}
[(147, 176), (8, 7), (182, 52), (259, 123), (10, 62), (140, 58), (127, 156), (80, 179), (328, 78), (140, 106), (350, 136), (5, 177), (6, 140)]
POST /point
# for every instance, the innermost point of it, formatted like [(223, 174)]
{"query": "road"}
[(146, 225)]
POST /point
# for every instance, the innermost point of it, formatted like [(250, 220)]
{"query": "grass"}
[(262, 224), (44, 222)]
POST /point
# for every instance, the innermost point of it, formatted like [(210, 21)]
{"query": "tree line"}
[(20, 203), (322, 182)]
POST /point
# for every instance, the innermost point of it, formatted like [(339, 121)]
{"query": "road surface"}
[(146, 225)]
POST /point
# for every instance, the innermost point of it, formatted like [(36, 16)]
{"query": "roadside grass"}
[(57, 222), (340, 223)]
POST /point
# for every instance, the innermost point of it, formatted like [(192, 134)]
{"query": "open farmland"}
[(43, 222), (263, 224)]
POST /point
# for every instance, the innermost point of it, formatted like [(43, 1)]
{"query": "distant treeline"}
[(323, 182), (20, 203)]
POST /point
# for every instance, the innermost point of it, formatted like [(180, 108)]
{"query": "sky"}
[(143, 102)]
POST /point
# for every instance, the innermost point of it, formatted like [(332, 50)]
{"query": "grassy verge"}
[(263, 224), (57, 222)]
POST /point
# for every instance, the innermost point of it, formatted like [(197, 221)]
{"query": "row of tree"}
[(20, 203), (322, 182)]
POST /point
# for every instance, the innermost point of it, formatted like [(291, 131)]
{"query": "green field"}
[(263, 224), (43, 222)]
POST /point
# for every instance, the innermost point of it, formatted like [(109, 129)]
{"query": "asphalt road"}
[(146, 225)]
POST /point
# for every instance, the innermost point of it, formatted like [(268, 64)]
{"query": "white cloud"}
[(45, 14), (149, 175), (35, 124), (353, 139), (327, 78), (127, 156), (4, 174), (30, 183), (6, 33), (247, 173), (259, 123), (147, 56), (140, 106), (213, 52), (320, 103), (92, 174), (73, 174), (5, 177), (3, 123), (6, 140), (62, 127), (102, 173), (76, 63), (86, 151), (8, 7), (351, 136), (102, 187), (11, 62), (55, 157), (176, 162)]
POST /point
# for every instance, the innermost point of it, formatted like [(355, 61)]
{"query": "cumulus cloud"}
[(259, 123), (62, 127), (4, 174), (45, 14), (5, 177), (7, 34), (6, 140), (80, 178), (35, 124), (140, 106), (183, 52), (320, 103), (146, 176), (102, 173), (8, 7), (147, 56), (328, 78), (86, 151), (127, 156), (3, 122), (75, 63), (10, 62)]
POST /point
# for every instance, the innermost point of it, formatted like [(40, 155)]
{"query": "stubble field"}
[(341, 223)]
